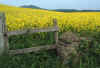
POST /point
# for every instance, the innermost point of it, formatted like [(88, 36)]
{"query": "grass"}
[(34, 60), (90, 51)]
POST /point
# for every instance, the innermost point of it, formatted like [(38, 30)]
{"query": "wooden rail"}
[(4, 34), (30, 31), (32, 49)]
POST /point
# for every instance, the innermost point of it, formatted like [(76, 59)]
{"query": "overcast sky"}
[(56, 4)]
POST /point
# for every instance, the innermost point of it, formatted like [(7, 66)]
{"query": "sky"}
[(56, 4)]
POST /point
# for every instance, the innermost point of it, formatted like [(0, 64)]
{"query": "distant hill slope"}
[(90, 10), (66, 10), (59, 10), (23, 9), (30, 6), (75, 10), (22, 18)]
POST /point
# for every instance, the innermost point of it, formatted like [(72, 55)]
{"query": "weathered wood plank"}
[(32, 31), (63, 44), (33, 49), (56, 32), (1, 17), (1, 35), (6, 44), (3, 38), (2, 48), (56, 37)]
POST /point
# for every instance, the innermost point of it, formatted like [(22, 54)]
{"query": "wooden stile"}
[(39, 48), (4, 48), (30, 31)]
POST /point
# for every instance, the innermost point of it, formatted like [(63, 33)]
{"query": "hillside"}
[(30, 6), (26, 16), (75, 10), (22, 18), (66, 10), (59, 10)]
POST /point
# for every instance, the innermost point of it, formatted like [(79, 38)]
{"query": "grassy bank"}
[(89, 53)]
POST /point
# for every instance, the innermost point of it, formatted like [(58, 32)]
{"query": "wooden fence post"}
[(3, 36), (56, 32)]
